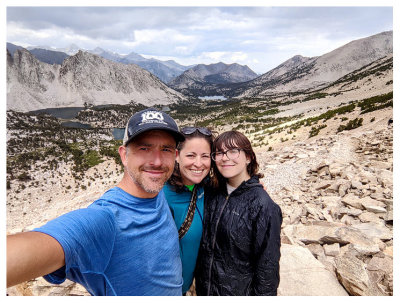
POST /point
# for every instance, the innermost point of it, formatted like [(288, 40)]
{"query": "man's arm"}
[(31, 255)]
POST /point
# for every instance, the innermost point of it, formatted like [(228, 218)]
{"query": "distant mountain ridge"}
[(297, 74), (203, 80), (82, 78), (42, 54), (301, 74), (217, 73), (164, 70)]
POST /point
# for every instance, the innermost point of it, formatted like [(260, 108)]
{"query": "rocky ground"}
[(336, 194), (335, 191)]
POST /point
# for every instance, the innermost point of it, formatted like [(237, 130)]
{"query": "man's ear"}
[(176, 155), (122, 150)]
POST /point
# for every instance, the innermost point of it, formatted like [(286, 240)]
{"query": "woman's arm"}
[(267, 250)]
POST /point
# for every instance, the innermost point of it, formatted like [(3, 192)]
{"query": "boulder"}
[(369, 217), (356, 184), (332, 250), (353, 275), (375, 209), (336, 169), (323, 185), (353, 201), (375, 230), (321, 232), (303, 275), (389, 216), (330, 200), (316, 249), (350, 211)]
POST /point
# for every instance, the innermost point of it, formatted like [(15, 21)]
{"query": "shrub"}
[(315, 130), (352, 124), (24, 177), (376, 102)]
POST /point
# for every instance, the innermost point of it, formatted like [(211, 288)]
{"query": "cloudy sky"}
[(260, 36)]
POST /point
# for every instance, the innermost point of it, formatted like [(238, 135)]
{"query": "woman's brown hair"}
[(230, 140)]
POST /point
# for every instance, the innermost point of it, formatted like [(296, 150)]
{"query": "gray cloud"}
[(261, 36)]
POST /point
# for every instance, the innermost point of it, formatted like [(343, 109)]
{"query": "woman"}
[(240, 248), (184, 192)]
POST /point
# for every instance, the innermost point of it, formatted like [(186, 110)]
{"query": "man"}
[(126, 242)]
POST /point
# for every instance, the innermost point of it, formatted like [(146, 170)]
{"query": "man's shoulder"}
[(84, 218)]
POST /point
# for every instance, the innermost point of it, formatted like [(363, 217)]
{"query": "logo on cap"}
[(152, 117)]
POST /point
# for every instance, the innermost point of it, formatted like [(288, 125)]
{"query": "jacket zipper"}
[(213, 245)]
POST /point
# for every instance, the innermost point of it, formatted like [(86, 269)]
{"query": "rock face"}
[(340, 208), (299, 270), (164, 70), (299, 73), (82, 79)]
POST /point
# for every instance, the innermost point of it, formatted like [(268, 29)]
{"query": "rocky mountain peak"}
[(29, 70), (301, 74), (216, 73), (82, 78), (134, 56)]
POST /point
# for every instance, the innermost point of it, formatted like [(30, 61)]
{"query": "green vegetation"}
[(40, 142), (315, 130), (325, 116), (110, 150), (376, 103), (316, 96), (363, 72), (357, 122)]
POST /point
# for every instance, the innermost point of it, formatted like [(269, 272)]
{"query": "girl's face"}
[(194, 160), (233, 169)]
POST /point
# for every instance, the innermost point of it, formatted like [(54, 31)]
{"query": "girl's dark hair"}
[(176, 178), (230, 140)]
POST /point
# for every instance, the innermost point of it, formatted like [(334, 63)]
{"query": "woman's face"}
[(194, 160), (234, 169)]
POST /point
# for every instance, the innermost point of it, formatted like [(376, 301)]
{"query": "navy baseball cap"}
[(150, 119)]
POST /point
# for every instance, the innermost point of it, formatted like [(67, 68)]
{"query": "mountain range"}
[(218, 73), (83, 78), (100, 77), (302, 73), (297, 74), (164, 70)]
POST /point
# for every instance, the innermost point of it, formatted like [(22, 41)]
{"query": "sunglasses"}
[(192, 130)]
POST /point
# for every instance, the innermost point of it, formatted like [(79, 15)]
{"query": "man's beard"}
[(149, 185)]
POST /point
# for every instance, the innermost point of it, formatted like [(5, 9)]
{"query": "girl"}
[(240, 248), (185, 195)]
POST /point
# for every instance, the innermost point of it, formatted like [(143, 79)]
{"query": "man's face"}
[(149, 161)]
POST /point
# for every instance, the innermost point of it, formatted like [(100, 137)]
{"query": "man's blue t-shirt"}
[(189, 245), (119, 245)]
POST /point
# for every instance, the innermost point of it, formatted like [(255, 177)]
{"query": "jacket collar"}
[(244, 186)]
